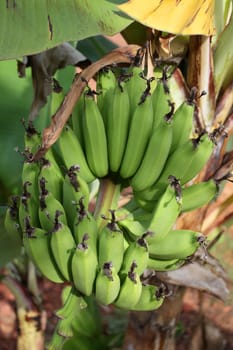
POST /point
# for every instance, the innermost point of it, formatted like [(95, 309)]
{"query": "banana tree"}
[(199, 59)]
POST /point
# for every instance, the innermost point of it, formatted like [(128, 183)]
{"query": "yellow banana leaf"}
[(186, 17)]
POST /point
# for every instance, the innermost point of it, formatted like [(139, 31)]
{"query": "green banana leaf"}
[(96, 47), (15, 100), (10, 246), (223, 58), (29, 27)]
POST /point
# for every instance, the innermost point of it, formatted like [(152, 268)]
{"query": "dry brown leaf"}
[(44, 65), (204, 277)]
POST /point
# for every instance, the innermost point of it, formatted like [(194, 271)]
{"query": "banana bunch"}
[(128, 133)]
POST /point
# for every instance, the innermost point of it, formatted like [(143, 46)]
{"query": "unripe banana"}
[(161, 100), (73, 303), (30, 173), (147, 205), (130, 290), (107, 284), (154, 157), (74, 189), (105, 85), (77, 119), (48, 206), (139, 134), (54, 178), (64, 328), (136, 251), (205, 149), (62, 245), (182, 124), (148, 300), (164, 265), (135, 86), (117, 126), (178, 244), (188, 160), (111, 244), (72, 153), (32, 138), (36, 243), (151, 193), (85, 223), (87, 321), (95, 137), (84, 266), (133, 229), (28, 205), (164, 215), (199, 194)]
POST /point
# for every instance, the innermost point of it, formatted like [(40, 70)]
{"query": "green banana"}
[(161, 99), (73, 302), (11, 219), (164, 215), (32, 138), (85, 223), (94, 137), (107, 286), (117, 126), (48, 205), (72, 153), (148, 300), (136, 251), (77, 119), (135, 86), (105, 85), (139, 134), (87, 321), (199, 194), (30, 172), (130, 291), (86, 316), (62, 245), (182, 124), (184, 164), (133, 229), (84, 265), (188, 159), (54, 178), (164, 265), (147, 205), (178, 244), (58, 342), (74, 188), (36, 244), (111, 244), (28, 205), (154, 157), (64, 327)]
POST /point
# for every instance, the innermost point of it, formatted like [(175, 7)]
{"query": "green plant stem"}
[(22, 300), (33, 283), (107, 198)]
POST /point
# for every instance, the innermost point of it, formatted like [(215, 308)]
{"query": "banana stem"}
[(107, 198)]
